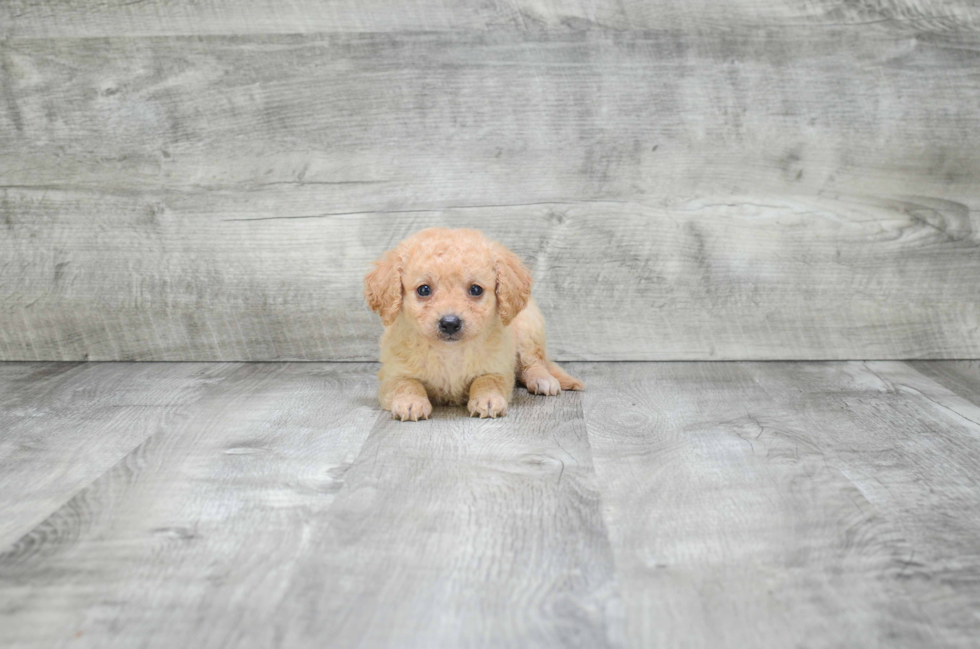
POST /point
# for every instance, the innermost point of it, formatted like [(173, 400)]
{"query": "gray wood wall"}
[(755, 179)]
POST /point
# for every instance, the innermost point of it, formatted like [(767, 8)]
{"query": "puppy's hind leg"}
[(538, 380), (538, 374), (566, 381)]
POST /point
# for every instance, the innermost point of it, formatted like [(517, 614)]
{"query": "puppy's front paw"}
[(487, 405), (410, 407), (547, 385)]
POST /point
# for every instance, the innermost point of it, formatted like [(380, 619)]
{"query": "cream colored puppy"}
[(460, 326)]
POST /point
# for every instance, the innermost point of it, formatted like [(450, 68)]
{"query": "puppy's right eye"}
[(424, 290)]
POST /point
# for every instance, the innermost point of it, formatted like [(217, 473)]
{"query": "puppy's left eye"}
[(476, 291)]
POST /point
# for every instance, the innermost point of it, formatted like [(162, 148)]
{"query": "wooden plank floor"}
[(671, 504)]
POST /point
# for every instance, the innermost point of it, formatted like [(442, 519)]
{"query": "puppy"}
[(460, 326)]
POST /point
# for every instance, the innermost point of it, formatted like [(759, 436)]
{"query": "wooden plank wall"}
[(742, 180)]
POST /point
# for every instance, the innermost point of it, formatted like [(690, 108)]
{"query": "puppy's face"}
[(449, 293), (450, 284)]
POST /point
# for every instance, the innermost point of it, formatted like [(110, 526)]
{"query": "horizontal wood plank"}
[(89, 18), (779, 194), (810, 279), (402, 121)]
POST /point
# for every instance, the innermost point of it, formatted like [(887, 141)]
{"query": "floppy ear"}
[(383, 287), (513, 283)]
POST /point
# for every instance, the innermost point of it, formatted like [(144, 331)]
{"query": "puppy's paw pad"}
[(487, 405), (410, 408), (547, 385)]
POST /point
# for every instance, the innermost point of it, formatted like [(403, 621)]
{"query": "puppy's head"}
[(451, 284)]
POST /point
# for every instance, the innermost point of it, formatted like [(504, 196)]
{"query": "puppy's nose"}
[(450, 324)]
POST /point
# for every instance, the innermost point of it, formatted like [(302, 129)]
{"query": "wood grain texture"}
[(64, 425), (464, 532), (194, 536), (788, 504), (703, 504), (911, 447), (961, 398), (960, 377), (252, 524), (91, 18), (786, 193)]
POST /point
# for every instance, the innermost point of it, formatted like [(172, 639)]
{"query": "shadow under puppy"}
[(460, 326)]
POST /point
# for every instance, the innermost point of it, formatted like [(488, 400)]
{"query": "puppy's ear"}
[(383, 286), (513, 283)]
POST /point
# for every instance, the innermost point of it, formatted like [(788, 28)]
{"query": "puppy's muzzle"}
[(450, 325)]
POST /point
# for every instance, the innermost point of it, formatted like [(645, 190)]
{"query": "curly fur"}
[(502, 338)]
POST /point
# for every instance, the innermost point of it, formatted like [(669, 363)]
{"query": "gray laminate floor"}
[(671, 504)]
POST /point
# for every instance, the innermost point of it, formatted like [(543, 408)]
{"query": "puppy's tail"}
[(567, 382)]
